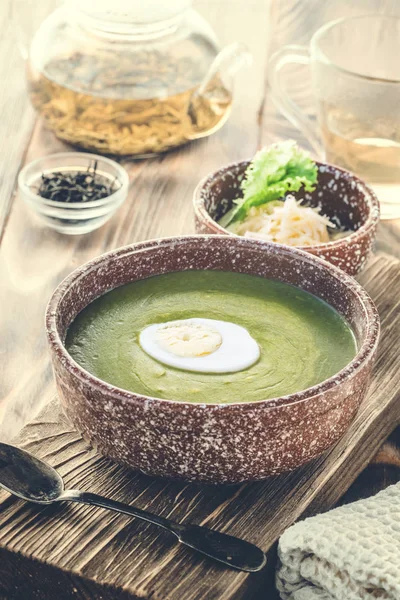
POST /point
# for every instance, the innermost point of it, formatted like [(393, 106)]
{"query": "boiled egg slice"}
[(200, 345)]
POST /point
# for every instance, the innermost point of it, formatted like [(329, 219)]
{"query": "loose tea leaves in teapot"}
[(102, 103)]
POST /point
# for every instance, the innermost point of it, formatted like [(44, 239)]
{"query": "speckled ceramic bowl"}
[(342, 196), (205, 442)]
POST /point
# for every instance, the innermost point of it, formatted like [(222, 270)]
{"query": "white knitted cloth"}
[(349, 553)]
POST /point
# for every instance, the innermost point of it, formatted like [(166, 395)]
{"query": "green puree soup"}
[(303, 340)]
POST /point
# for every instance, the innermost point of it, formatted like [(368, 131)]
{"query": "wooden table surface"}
[(35, 259)]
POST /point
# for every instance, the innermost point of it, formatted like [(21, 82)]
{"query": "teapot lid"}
[(129, 12)]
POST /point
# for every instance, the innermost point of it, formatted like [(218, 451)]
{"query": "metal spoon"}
[(31, 479)]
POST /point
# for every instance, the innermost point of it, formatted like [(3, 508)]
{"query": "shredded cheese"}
[(286, 222)]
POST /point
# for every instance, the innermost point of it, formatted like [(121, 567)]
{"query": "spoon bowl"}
[(27, 477)]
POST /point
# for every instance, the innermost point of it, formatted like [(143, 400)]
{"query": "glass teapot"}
[(131, 77)]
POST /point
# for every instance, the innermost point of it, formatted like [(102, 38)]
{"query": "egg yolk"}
[(188, 339)]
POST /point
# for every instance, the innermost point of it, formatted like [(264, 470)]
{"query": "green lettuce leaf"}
[(273, 172)]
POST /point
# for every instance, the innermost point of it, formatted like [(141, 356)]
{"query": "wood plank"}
[(73, 545), (35, 259), (17, 117)]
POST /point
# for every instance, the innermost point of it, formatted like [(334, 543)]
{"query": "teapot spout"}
[(210, 104)]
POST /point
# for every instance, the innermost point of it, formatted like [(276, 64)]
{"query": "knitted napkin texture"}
[(349, 553)]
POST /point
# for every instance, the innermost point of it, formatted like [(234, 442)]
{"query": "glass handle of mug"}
[(292, 54)]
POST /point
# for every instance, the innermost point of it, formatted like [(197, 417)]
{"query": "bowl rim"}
[(120, 172), (365, 352), (368, 226)]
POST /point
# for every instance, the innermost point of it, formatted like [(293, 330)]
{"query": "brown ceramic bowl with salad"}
[(283, 196), (211, 358)]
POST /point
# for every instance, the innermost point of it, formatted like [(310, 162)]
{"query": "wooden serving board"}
[(71, 551)]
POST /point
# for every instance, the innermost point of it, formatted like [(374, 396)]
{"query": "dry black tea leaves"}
[(76, 186)]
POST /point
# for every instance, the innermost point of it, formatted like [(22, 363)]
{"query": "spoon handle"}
[(227, 549), (126, 509)]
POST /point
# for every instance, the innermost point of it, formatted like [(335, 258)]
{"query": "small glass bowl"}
[(73, 218)]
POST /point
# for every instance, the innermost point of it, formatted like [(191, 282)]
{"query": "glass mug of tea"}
[(355, 71)]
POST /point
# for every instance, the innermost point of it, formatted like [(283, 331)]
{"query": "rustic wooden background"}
[(34, 259)]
